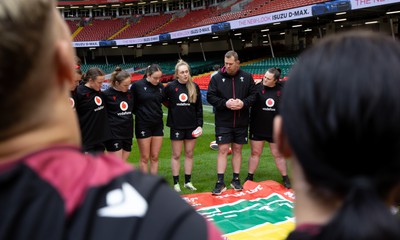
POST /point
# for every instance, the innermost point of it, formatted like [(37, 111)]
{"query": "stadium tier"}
[(141, 31), (96, 27)]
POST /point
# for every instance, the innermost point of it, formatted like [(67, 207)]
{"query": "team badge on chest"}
[(98, 100), (270, 102), (123, 105), (183, 97)]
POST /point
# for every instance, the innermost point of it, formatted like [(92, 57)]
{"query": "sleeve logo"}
[(124, 202)]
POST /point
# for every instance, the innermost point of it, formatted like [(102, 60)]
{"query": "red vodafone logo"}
[(270, 102), (98, 100), (72, 102), (123, 105), (183, 97)]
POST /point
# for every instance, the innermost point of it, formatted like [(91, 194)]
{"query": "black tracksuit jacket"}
[(222, 87)]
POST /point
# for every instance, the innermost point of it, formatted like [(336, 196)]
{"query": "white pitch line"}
[(208, 108)]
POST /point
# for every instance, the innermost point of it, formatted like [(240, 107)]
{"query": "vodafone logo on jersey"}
[(183, 97), (123, 105), (72, 102), (270, 102), (98, 100)]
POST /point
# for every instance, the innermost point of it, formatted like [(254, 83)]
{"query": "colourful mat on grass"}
[(263, 210)]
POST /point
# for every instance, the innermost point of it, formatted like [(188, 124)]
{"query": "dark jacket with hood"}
[(221, 88)]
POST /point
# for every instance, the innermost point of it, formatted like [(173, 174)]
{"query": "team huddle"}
[(338, 124), (49, 188), (106, 118)]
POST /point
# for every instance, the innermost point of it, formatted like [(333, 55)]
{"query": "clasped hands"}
[(234, 104)]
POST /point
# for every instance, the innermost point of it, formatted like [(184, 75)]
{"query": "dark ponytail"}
[(92, 73), (362, 216), (118, 75), (276, 71), (152, 69), (345, 134)]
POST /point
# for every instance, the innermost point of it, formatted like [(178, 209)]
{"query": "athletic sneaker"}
[(177, 187), (189, 186), (219, 188), (286, 182), (235, 184), (248, 178)]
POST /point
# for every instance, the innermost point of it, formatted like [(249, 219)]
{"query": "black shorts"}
[(231, 135), (181, 134), (93, 149), (149, 130), (118, 144), (256, 137)]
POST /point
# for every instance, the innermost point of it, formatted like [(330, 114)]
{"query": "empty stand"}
[(256, 67), (189, 20), (258, 7), (100, 29), (144, 26), (73, 25)]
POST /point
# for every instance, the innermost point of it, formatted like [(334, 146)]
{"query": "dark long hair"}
[(341, 113)]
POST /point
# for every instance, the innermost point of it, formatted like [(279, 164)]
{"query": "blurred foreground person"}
[(343, 137), (48, 188)]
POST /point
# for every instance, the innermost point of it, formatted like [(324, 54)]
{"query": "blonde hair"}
[(26, 45), (191, 87)]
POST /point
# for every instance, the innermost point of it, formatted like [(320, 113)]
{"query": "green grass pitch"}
[(204, 173)]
